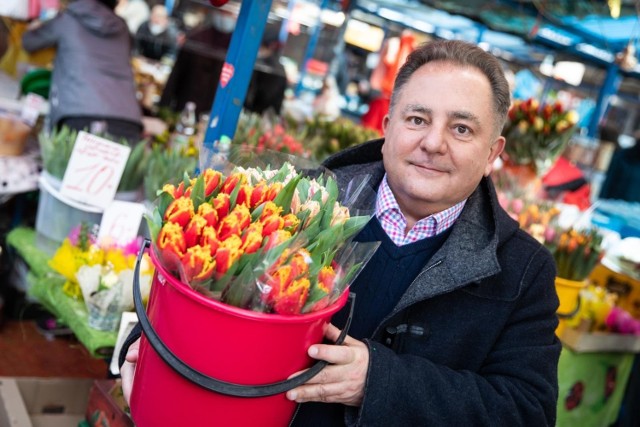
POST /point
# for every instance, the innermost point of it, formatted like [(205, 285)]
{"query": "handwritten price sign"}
[(121, 222), (94, 170)]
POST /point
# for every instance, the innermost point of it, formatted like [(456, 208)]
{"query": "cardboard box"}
[(106, 405), (584, 342), (43, 402)]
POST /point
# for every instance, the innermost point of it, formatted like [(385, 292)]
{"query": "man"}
[(92, 81), (156, 38), (455, 314), (269, 79)]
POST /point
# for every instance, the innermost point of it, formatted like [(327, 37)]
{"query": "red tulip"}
[(212, 180), (193, 230), (208, 212), (221, 203), (179, 211), (209, 238), (171, 242), (198, 264)]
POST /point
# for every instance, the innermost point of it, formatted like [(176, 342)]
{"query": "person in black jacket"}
[(454, 319), (157, 38)]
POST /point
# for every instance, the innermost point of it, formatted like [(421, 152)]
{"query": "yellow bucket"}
[(568, 293)]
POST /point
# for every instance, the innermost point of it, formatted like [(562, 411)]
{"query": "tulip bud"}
[(193, 230), (198, 264), (171, 241), (252, 238), (179, 211), (212, 180), (209, 238), (221, 203), (206, 211)]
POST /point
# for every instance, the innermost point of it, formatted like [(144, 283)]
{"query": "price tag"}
[(31, 108), (94, 170), (121, 222)]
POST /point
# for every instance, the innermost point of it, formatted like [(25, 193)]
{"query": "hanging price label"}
[(31, 108), (94, 170), (121, 222)]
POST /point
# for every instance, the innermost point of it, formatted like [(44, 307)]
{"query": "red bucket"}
[(192, 345)]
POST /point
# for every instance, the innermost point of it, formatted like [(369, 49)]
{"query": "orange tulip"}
[(232, 182), (258, 194), (227, 254), (207, 212), (244, 195), (171, 242), (271, 223), (209, 238), (270, 209), (276, 238), (293, 298), (212, 180), (193, 230), (326, 279), (291, 222), (234, 223), (198, 264), (273, 190), (221, 203), (300, 262), (179, 211), (252, 238)]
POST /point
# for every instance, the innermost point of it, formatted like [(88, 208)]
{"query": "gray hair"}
[(464, 54)]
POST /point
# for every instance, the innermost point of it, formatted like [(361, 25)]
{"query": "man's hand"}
[(343, 380), (128, 369)]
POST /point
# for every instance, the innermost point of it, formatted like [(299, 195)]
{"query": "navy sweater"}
[(378, 289)]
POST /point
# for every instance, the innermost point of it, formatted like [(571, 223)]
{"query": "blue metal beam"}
[(236, 73), (609, 87)]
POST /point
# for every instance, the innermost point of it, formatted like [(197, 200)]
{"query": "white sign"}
[(31, 108), (121, 222), (94, 170)]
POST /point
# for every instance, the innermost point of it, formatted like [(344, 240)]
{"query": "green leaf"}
[(197, 193), (164, 200), (154, 223), (284, 197), (234, 195), (332, 189)]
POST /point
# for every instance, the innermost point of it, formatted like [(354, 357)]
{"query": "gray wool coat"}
[(92, 75), (487, 302)]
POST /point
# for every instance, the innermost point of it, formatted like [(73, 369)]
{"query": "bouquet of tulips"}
[(269, 240), (575, 251), (537, 134)]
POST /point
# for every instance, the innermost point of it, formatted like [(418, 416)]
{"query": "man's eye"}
[(462, 130), (416, 121)]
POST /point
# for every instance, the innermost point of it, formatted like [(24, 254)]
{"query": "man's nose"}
[(434, 140)]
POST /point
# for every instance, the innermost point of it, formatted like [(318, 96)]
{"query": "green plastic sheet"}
[(591, 387), (46, 286)]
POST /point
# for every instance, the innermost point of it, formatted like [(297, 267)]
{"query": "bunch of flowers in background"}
[(265, 240), (267, 132), (100, 273), (576, 252), (537, 134)]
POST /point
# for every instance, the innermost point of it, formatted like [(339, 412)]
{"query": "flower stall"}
[(597, 327)]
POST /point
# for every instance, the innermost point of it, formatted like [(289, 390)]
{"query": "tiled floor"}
[(26, 352)]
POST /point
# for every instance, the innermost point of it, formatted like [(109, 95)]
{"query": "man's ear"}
[(385, 123), (494, 151)]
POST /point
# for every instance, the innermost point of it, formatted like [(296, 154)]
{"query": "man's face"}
[(440, 138)]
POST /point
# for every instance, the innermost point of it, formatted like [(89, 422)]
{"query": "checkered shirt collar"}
[(394, 223)]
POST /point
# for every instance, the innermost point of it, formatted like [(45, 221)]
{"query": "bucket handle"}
[(213, 384), (572, 312)]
